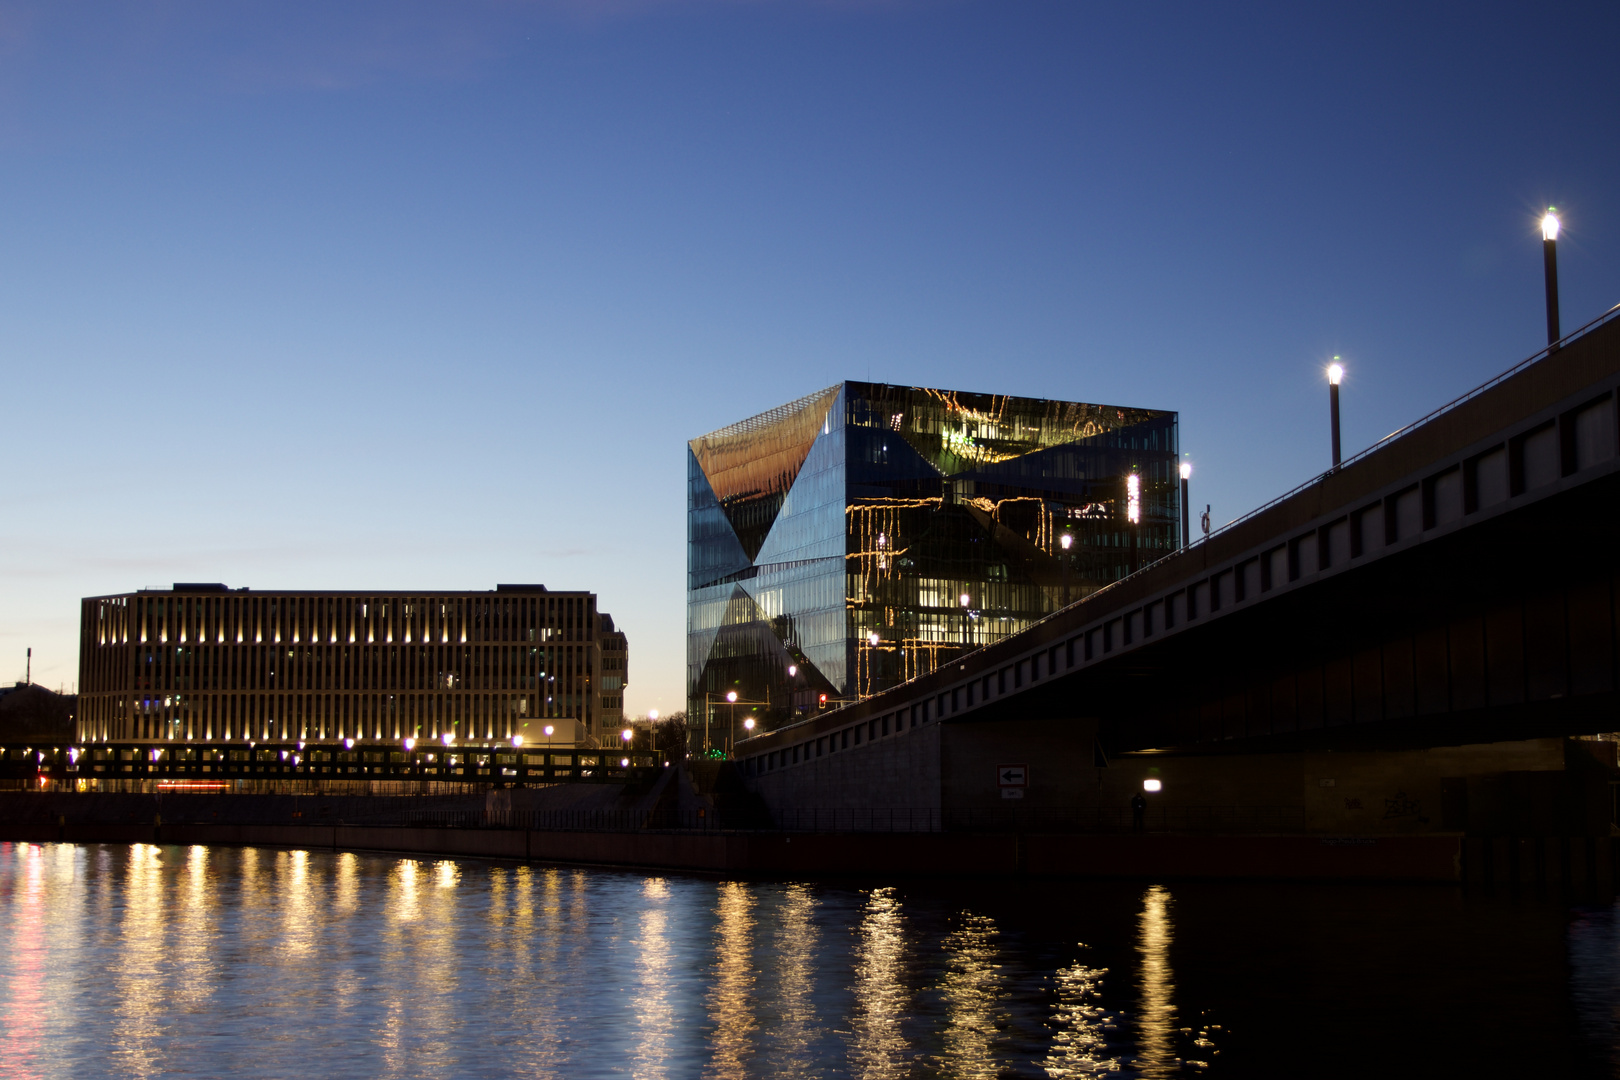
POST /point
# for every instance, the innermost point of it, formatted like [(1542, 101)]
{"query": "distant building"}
[(615, 674), (866, 534), (207, 662), (29, 713)]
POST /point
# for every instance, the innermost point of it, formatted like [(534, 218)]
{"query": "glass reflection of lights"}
[(830, 540)]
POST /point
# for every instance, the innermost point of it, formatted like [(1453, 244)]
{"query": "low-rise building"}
[(203, 661)]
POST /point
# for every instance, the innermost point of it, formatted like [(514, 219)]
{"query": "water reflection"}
[(879, 1051), (1156, 1018), (972, 989), (651, 1011), (731, 997), (146, 961), (797, 941), (1079, 1024)]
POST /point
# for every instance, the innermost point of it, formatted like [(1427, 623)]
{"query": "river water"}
[(190, 961)]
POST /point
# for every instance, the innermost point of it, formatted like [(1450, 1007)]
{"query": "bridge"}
[(1406, 642)]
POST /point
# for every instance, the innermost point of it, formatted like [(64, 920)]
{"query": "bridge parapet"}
[(1543, 428)]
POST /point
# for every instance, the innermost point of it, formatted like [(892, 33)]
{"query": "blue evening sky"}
[(404, 295)]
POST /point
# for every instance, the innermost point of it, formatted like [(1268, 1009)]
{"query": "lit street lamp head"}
[(627, 735), (731, 696), (1335, 373), (748, 724), (549, 730), (1549, 225), (1186, 471), (1066, 540)]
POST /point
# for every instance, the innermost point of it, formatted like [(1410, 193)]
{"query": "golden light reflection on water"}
[(971, 989), (796, 943), (1079, 1046), (277, 961), (1156, 1021), (731, 996), (194, 934), (652, 1014), (300, 931), (137, 971), (879, 1049)]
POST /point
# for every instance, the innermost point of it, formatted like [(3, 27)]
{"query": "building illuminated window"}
[(831, 541)]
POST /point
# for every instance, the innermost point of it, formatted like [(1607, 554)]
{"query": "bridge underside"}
[(1504, 631)]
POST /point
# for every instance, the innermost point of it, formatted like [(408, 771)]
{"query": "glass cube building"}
[(864, 535)]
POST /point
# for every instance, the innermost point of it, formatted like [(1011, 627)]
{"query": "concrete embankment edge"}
[(1415, 859)]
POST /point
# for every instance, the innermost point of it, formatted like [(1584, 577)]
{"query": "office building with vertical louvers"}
[(208, 662)]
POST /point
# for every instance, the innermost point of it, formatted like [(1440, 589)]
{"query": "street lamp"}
[(1335, 372), (1133, 514), (1065, 540), (1549, 254), (1186, 511), (748, 725)]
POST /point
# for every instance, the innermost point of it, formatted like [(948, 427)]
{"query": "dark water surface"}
[(165, 961)]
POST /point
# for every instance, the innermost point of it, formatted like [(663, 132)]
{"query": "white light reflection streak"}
[(651, 1009), (881, 999), (731, 998), (1156, 1052), (138, 975)]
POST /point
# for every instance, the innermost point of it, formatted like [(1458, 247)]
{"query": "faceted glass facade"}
[(864, 535)]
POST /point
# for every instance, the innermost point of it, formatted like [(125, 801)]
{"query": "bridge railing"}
[(1493, 381)]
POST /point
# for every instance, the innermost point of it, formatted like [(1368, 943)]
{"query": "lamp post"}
[(1186, 511), (1066, 540), (1133, 513), (1549, 254), (1335, 372)]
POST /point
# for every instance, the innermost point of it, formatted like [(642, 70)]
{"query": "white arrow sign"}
[(1012, 775)]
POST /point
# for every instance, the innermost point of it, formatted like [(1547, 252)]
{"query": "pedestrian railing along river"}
[(203, 764), (1196, 819)]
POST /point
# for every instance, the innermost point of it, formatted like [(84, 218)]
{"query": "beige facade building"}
[(209, 662)]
